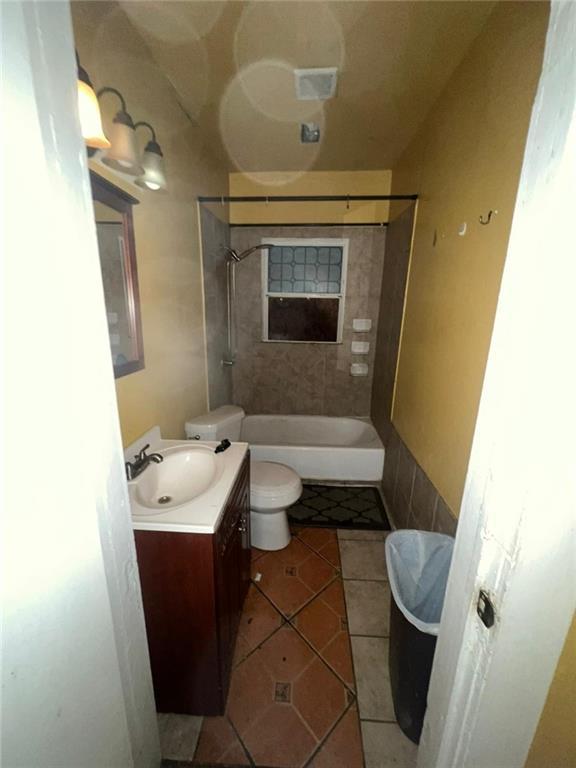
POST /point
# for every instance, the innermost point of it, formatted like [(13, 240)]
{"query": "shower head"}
[(233, 255)]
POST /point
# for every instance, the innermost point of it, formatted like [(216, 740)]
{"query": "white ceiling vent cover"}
[(316, 84)]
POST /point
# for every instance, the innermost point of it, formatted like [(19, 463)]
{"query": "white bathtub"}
[(317, 447)]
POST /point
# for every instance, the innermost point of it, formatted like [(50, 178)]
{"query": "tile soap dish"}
[(359, 369), (361, 324), (360, 347)]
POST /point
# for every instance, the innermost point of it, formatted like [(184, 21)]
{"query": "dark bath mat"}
[(340, 506)]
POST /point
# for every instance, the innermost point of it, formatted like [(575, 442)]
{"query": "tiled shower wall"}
[(215, 237), (411, 498), (302, 378)]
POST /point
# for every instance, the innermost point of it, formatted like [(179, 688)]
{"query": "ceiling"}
[(232, 66)]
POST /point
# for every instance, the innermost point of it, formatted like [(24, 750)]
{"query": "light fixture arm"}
[(109, 89), (152, 131)]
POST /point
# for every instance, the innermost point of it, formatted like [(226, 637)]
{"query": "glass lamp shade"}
[(123, 152), (154, 175), (90, 120)]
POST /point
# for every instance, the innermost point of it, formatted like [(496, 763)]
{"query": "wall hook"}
[(487, 220), (347, 202)]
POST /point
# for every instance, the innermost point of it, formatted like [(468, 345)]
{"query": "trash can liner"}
[(418, 565)]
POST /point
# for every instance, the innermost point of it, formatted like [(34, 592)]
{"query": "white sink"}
[(186, 473)]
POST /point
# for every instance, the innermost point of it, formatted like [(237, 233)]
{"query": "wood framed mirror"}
[(115, 231)]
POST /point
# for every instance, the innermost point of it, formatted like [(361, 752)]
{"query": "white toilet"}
[(273, 487)]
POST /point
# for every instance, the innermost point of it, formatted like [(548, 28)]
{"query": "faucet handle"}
[(142, 452)]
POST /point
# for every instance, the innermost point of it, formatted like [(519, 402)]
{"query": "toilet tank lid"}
[(217, 416)]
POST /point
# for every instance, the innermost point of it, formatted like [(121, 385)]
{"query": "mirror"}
[(115, 231)]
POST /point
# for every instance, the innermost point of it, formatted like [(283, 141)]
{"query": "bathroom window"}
[(303, 289)]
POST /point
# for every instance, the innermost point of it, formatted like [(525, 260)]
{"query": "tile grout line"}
[(304, 605), (352, 658), (375, 637), (288, 622), (326, 664), (354, 578), (372, 720), (310, 547), (244, 747), (329, 733)]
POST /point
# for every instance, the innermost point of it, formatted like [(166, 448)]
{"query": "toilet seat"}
[(273, 485)]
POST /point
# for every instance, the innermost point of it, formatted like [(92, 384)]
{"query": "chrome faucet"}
[(141, 461)]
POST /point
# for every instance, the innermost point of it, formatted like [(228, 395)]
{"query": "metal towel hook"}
[(487, 220)]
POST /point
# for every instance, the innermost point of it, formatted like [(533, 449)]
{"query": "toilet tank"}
[(223, 422)]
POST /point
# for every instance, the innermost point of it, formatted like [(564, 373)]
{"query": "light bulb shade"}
[(90, 119), (154, 175), (123, 152)]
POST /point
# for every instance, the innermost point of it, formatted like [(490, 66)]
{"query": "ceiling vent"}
[(316, 84)]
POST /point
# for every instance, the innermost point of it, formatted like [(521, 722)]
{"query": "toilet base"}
[(269, 530)]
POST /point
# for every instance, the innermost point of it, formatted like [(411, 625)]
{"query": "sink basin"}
[(186, 473)]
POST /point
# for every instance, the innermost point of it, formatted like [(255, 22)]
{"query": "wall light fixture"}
[(89, 111), (154, 175), (123, 152)]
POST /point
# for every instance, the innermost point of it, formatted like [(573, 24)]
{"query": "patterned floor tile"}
[(324, 541), (284, 700), (319, 697), (290, 703), (219, 744), (259, 620), (256, 554), (343, 747), (280, 739), (323, 623), (292, 576)]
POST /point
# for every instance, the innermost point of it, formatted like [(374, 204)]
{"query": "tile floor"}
[(310, 680)]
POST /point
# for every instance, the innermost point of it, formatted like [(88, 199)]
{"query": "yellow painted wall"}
[(173, 385), (554, 743), (310, 183), (465, 160)]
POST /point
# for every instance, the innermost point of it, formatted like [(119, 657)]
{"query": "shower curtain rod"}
[(301, 198), (314, 224)]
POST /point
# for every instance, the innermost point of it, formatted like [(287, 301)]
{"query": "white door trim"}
[(516, 535)]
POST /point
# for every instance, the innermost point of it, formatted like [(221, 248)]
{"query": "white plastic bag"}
[(418, 564)]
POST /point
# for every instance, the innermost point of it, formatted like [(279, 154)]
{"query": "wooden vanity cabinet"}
[(193, 589)]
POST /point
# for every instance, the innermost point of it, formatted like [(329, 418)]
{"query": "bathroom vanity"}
[(194, 563)]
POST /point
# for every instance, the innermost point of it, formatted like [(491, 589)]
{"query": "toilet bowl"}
[(273, 487)]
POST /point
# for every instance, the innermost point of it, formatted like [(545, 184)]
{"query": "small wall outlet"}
[(359, 369), (360, 347), (361, 324)]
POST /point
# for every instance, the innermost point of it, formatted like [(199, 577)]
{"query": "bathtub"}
[(317, 447)]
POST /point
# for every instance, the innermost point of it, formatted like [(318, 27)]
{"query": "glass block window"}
[(305, 269), (304, 284)]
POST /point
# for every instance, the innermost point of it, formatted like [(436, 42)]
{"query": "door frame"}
[(516, 537)]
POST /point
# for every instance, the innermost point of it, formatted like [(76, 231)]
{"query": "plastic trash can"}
[(418, 563)]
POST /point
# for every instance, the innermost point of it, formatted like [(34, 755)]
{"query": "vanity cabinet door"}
[(232, 571), (193, 589)]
